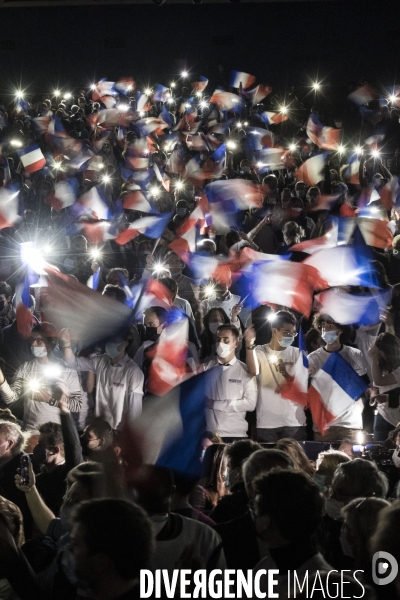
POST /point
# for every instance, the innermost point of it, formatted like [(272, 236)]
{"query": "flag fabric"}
[(257, 138), (350, 173), (9, 206), (271, 158), (98, 232), (352, 266), (273, 118), (375, 232), (152, 226), (185, 244), (168, 365), (6, 172), (151, 125), (134, 199), (312, 170), (94, 280), (354, 309), (32, 158), (103, 88), (296, 388), (124, 85), (22, 303), (64, 194), (112, 117), (257, 94), (226, 100), (363, 95), (161, 93), (92, 203), (200, 86), (41, 124), (238, 77), (324, 137), (333, 391)]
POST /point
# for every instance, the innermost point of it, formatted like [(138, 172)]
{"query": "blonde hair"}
[(329, 460), (12, 431)]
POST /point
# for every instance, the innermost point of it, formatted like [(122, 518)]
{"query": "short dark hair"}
[(118, 529), (49, 333), (283, 317), (159, 311), (54, 431), (5, 289), (102, 429), (320, 317), (283, 495), (114, 290), (239, 451), (85, 467), (229, 327)]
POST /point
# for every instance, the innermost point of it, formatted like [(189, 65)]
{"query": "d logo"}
[(384, 568)]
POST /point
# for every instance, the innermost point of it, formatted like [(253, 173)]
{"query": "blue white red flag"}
[(273, 118), (161, 93), (312, 170), (152, 226), (32, 158), (354, 309), (239, 78), (296, 388), (333, 391)]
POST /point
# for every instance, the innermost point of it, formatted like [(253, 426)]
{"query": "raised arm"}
[(40, 512), (249, 337)]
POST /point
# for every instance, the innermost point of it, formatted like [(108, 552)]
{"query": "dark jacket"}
[(239, 540)]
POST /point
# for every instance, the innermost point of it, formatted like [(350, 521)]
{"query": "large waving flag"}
[(324, 137), (32, 158), (312, 170), (227, 100), (363, 94), (352, 266), (333, 391), (354, 309), (257, 138), (134, 199), (92, 203), (185, 244), (257, 94), (152, 227), (351, 172), (168, 366), (104, 88), (296, 388), (22, 303), (64, 194), (239, 78), (375, 232), (161, 93)]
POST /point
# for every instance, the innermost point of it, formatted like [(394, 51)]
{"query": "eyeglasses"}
[(289, 334), (328, 327), (33, 340)]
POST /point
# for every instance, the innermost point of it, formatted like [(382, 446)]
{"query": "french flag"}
[(363, 95), (296, 388), (41, 124), (92, 203), (142, 102), (151, 125), (375, 232), (324, 137), (112, 117), (333, 391), (350, 173), (22, 303), (152, 227), (312, 170), (168, 365), (354, 309), (352, 266), (258, 93), (185, 244), (98, 232), (200, 86), (104, 88), (32, 158), (134, 199), (161, 93), (238, 77), (9, 207), (64, 194), (94, 280), (273, 118), (257, 138), (124, 85), (226, 100)]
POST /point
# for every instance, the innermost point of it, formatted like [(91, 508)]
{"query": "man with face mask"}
[(119, 387), (42, 383), (274, 363), (231, 391), (345, 425)]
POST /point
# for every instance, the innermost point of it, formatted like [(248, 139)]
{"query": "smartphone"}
[(24, 469), (357, 448)]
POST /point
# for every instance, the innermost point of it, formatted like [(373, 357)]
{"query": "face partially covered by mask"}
[(153, 327), (226, 343)]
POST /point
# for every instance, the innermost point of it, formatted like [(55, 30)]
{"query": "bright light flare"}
[(292, 147), (123, 107), (271, 316), (360, 436), (172, 85), (283, 110), (358, 150), (93, 87), (19, 94), (52, 371), (273, 359), (33, 258), (106, 179), (199, 94), (231, 145), (375, 153), (148, 91), (158, 268), (184, 74), (155, 191), (16, 143), (203, 104), (57, 93), (141, 113), (245, 123), (47, 249), (238, 125), (67, 96), (341, 149), (209, 290), (34, 385), (393, 99), (95, 253), (179, 185), (316, 86)]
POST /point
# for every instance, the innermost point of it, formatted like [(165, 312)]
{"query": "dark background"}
[(283, 44)]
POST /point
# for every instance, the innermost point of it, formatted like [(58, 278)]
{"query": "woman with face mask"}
[(41, 383), (348, 423), (385, 366), (211, 321)]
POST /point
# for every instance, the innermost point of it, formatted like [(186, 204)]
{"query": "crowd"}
[(217, 274)]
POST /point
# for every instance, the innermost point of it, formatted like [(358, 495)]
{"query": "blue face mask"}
[(286, 341), (330, 336), (112, 349)]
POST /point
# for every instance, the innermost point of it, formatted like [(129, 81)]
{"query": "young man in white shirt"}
[(231, 391), (119, 381), (346, 425), (273, 364)]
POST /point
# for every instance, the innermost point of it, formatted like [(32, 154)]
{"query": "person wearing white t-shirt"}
[(385, 365), (231, 391), (274, 364), (344, 425)]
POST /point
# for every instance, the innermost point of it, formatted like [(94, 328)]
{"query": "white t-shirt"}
[(391, 415), (273, 411), (352, 418), (234, 392), (365, 338)]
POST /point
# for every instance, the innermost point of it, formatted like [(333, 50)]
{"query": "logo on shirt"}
[(235, 380), (117, 384)]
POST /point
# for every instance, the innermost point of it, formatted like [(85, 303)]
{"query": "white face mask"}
[(213, 327), (39, 351), (329, 336), (223, 350)]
